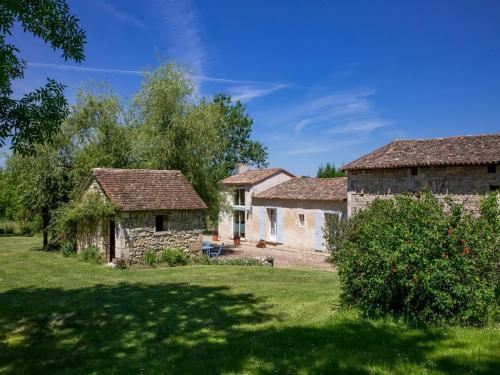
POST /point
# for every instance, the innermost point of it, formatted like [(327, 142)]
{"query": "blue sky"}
[(323, 80)]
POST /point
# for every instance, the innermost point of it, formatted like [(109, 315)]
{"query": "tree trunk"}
[(45, 230)]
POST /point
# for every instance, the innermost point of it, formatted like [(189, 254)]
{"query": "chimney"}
[(240, 168)]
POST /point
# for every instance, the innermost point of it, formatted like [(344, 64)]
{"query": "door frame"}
[(273, 219), (112, 242)]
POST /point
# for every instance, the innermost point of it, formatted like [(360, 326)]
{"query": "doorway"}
[(274, 224), (239, 224), (111, 240)]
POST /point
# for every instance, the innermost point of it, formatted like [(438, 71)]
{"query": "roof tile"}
[(462, 150), (252, 176), (301, 188), (144, 189)]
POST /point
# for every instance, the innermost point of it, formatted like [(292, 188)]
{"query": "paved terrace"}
[(283, 257)]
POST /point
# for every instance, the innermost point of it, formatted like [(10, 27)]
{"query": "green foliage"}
[(206, 260), (409, 258), (329, 171), (95, 135), (173, 257), (164, 128), (35, 118), (150, 257), (91, 255), (67, 248), (84, 211)]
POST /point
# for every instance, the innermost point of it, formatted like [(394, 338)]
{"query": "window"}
[(492, 168), (494, 187), (239, 224), (184, 215), (239, 197), (302, 220), (161, 223), (414, 171)]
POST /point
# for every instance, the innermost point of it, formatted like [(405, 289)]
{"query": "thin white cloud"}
[(319, 146), (123, 17), (182, 22), (243, 90), (366, 126), (343, 112), (246, 93), (84, 69)]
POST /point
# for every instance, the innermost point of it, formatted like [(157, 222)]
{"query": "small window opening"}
[(414, 171), (184, 215), (302, 220), (494, 187), (492, 168), (159, 223)]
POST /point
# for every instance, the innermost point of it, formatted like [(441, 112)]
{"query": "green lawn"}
[(59, 315)]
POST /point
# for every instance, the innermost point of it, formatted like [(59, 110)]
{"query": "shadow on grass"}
[(179, 328)]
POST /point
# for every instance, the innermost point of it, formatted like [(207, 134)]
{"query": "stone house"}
[(463, 168), (158, 209), (283, 210)]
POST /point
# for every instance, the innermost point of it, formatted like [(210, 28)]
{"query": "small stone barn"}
[(158, 209)]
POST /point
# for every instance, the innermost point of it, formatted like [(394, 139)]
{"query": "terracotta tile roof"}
[(463, 150), (144, 189), (252, 176), (315, 189)]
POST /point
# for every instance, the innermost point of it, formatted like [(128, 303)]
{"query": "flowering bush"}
[(409, 258)]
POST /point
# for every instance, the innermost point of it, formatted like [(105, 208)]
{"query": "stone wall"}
[(463, 180), (463, 184), (135, 233), (96, 235), (359, 201)]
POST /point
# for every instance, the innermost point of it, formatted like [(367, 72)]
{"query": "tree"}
[(36, 117), (235, 131), (95, 135), (41, 184), (173, 131), (329, 171)]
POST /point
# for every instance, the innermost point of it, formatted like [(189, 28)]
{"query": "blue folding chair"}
[(218, 252), (207, 247)]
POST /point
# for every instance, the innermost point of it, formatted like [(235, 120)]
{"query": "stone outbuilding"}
[(464, 168), (285, 211), (158, 209)]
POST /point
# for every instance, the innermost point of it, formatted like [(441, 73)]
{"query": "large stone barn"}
[(463, 168), (157, 209)]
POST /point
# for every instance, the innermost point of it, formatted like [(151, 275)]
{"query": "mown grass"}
[(60, 315)]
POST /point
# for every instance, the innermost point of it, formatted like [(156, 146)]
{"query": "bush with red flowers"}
[(410, 258)]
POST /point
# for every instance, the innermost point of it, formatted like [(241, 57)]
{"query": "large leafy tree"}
[(95, 134), (204, 139), (235, 131), (41, 182), (92, 136), (36, 116)]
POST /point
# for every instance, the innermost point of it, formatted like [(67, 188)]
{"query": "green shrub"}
[(67, 248), (150, 257), (409, 258), (174, 257), (206, 260), (91, 255)]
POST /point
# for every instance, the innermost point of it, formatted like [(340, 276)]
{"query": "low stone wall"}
[(140, 236), (359, 201)]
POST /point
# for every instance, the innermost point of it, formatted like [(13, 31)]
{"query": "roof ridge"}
[(135, 169)]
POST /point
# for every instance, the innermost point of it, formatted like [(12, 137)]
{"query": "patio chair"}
[(207, 247), (214, 253)]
